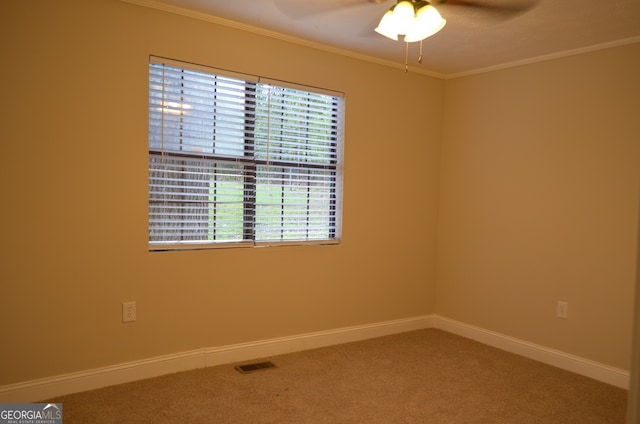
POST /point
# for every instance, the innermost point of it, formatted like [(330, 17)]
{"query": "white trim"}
[(283, 345), (154, 4), (575, 364), (158, 5), (46, 388), (544, 58)]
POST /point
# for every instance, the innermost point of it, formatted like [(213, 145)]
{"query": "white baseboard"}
[(282, 345), (46, 388), (604, 373)]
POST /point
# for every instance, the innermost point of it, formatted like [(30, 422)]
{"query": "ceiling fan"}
[(412, 20), (499, 9)]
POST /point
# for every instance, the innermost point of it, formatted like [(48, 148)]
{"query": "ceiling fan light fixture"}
[(397, 20), (415, 19), (387, 26), (427, 22), (403, 16)]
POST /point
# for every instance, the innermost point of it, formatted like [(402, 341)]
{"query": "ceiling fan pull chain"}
[(406, 58), (420, 57)]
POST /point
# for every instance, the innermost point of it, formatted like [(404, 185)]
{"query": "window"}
[(238, 160)]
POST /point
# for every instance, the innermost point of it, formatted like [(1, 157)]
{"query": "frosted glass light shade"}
[(426, 23), (403, 16), (386, 26), (403, 19)]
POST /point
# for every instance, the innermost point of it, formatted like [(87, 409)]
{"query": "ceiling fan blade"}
[(305, 8), (490, 9)]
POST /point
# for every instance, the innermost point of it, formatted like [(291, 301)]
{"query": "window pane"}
[(296, 126), (233, 160), (195, 200), (193, 112), (295, 204)]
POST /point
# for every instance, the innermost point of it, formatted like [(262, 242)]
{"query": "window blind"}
[(233, 160)]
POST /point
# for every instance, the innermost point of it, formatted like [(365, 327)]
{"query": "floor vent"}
[(245, 369)]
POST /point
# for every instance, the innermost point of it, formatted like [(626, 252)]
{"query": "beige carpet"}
[(426, 376)]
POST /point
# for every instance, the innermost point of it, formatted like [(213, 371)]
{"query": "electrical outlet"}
[(128, 311), (562, 310)]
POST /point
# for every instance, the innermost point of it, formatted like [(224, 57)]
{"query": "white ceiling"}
[(473, 39)]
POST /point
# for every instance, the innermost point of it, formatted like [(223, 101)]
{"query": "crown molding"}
[(158, 5), (544, 58)]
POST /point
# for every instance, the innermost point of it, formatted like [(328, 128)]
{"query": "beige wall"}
[(73, 180), (539, 202), (538, 198)]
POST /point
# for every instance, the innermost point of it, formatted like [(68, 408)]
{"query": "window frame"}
[(251, 163)]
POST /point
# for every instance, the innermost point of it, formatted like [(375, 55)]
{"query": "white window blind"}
[(233, 160)]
